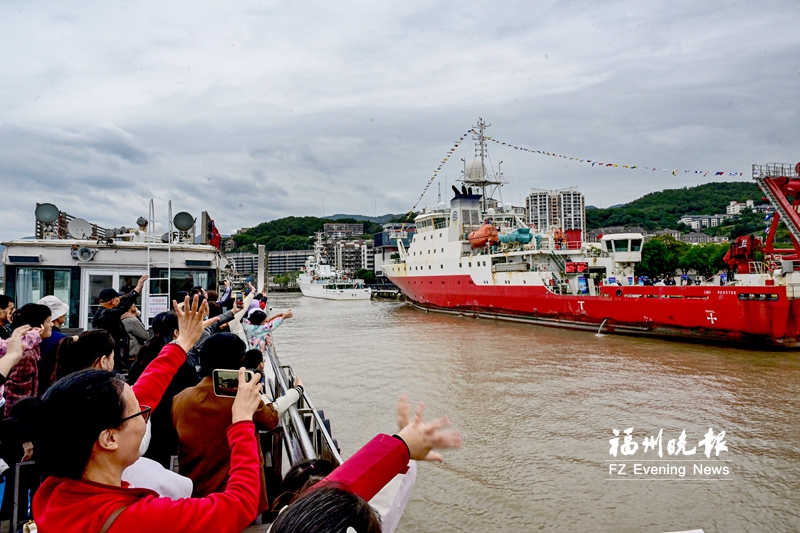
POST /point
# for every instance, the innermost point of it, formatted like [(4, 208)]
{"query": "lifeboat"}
[(486, 235)]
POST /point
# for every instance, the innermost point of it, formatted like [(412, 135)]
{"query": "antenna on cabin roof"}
[(46, 216)]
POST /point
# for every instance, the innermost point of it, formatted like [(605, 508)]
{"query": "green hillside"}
[(292, 233), (661, 210)]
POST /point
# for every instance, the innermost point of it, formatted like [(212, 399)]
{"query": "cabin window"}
[(476, 218), (29, 285), (465, 216), (621, 245), (636, 245), (182, 280)]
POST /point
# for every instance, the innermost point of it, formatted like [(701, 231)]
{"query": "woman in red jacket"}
[(339, 502), (92, 425)]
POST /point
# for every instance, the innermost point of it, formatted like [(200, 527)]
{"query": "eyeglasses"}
[(144, 413)]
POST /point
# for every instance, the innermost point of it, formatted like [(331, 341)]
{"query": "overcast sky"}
[(259, 110)]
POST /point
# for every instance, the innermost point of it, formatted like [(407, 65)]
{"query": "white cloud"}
[(257, 110)]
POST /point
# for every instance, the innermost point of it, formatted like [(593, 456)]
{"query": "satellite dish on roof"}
[(183, 221), (46, 213), (80, 229), (475, 170)]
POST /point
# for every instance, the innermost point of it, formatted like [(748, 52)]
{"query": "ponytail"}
[(82, 351)]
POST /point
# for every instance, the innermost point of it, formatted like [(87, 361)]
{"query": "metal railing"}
[(306, 433), (775, 170)]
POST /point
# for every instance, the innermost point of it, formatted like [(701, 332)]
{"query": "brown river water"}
[(536, 407)]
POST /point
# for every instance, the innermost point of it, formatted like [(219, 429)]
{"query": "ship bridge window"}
[(636, 245), (182, 280), (621, 245), (28, 285)]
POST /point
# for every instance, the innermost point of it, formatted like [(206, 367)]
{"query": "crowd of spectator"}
[(104, 414)]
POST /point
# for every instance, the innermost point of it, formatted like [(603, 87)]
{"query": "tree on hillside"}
[(292, 233), (408, 217), (661, 256), (746, 223), (705, 259), (662, 209)]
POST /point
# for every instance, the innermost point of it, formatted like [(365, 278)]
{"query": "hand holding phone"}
[(226, 382), (248, 397)]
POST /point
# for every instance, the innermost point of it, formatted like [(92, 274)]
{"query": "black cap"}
[(106, 295)]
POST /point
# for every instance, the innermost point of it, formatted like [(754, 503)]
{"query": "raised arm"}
[(126, 303), (230, 511), (374, 465), (150, 387)]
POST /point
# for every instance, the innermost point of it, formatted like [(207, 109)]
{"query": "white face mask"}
[(145, 441)]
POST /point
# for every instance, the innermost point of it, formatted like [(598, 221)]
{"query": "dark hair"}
[(73, 412), (75, 355), (214, 309), (212, 295), (257, 317), (5, 300), (32, 315), (164, 326), (299, 478), (252, 358), (327, 509), (221, 350)]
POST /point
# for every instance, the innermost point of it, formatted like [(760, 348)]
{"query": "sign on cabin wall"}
[(158, 304), (576, 267)]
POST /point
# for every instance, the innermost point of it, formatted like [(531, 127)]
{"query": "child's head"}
[(257, 317), (253, 359)]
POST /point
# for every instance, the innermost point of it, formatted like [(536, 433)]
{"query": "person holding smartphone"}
[(201, 416)]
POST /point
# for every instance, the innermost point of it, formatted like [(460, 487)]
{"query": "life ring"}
[(542, 268)]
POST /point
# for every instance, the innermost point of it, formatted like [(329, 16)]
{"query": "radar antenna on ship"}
[(475, 174)]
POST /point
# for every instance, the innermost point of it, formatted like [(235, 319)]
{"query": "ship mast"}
[(475, 173)]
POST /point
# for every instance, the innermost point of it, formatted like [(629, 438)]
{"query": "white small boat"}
[(319, 280)]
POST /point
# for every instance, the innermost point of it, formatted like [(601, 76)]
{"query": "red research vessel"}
[(553, 278)]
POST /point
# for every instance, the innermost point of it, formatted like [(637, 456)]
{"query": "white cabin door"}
[(94, 281)]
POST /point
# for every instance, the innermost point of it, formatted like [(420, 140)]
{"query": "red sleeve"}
[(155, 379), (372, 467), (230, 511)]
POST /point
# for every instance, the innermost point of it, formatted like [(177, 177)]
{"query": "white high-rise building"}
[(563, 208)]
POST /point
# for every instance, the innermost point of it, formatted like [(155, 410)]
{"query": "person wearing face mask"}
[(89, 431), (94, 349), (23, 380)]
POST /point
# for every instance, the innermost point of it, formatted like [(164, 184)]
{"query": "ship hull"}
[(759, 316), (320, 290)]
